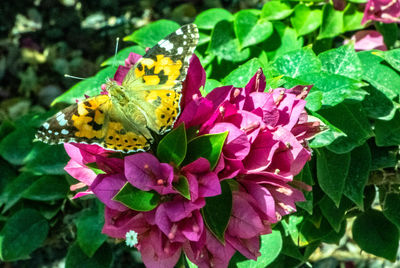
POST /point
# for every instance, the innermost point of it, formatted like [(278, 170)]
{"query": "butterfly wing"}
[(94, 121), (156, 79)]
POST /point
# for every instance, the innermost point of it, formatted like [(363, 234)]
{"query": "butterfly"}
[(146, 103)]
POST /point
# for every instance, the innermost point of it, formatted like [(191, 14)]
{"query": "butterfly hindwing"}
[(92, 121)]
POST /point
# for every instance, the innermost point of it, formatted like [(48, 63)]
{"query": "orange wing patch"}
[(89, 117), (118, 138), (162, 71)]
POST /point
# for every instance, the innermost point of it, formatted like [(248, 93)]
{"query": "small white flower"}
[(131, 238)]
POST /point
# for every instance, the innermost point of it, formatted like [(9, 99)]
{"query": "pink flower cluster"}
[(265, 148), (387, 11)]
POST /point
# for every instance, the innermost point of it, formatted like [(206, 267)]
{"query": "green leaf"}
[(350, 119), (391, 56), (77, 258), (297, 62), (382, 157), (275, 10), (209, 18), (6, 127), (352, 18), (47, 188), (242, 75), (391, 208), (217, 212), (149, 35), (182, 186), (377, 105), (332, 170), (93, 166), (249, 29), (172, 148), (137, 199), (24, 232), (271, 246), (90, 86), (283, 40), (376, 235), (390, 32), (123, 54), (332, 22), (335, 88), (306, 20), (17, 145), (210, 85), (48, 159), (15, 188), (387, 133), (225, 45), (382, 77), (333, 214), (342, 61), (327, 137), (314, 100), (208, 146), (357, 177), (89, 226)]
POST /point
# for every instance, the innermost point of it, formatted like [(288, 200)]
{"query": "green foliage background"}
[(355, 196)]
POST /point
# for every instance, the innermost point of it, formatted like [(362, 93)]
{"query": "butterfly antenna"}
[(116, 50), (74, 77)]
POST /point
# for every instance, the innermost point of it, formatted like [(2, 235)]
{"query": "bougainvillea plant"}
[(215, 183)]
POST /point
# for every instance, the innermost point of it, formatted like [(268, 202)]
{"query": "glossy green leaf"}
[(328, 136), (172, 148), (382, 157), (314, 100), (391, 56), (342, 61), (149, 35), (388, 132), (49, 159), (377, 105), (137, 199), (351, 120), (332, 22), (210, 85), (282, 40), (15, 188), (375, 234), (352, 18), (77, 258), (335, 88), (24, 232), (305, 19), (16, 146), (225, 45), (208, 146), (90, 86), (381, 76), (391, 208), (357, 177), (297, 63), (47, 188), (333, 214), (217, 211), (6, 127), (122, 55), (332, 170), (89, 226), (209, 18), (390, 32), (242, 75), (275, 10), (182, 186), (249, 29)]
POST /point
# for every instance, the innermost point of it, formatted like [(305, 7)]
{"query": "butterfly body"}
[(145, 103)]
